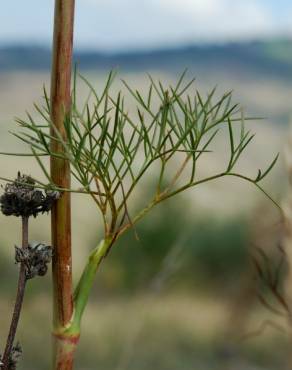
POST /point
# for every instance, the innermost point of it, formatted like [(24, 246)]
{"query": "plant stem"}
[(66, 338), (86, 281), (19, 299), (60, 174)]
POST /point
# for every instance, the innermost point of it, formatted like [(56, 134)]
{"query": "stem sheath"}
[(66, 338), (86, 281)]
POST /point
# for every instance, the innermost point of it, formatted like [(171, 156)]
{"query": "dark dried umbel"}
[(14, 357), (21, 198), (35, 258)]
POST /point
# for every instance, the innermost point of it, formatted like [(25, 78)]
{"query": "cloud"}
[(132, 23), (220, 19), (124, 24)]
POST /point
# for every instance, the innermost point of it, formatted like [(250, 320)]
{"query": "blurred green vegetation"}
[(147, 312), (210, 252), (162, 300), (279, 51)]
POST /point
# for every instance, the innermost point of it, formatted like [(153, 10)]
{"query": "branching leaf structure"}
[(111, 151)]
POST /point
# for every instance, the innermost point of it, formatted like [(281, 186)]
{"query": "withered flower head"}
[(21, 198), (35, 258), (14, 357)]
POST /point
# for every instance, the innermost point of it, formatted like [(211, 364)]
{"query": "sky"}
[(115, 25)]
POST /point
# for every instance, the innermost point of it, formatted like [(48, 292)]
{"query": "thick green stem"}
[(86, 281)]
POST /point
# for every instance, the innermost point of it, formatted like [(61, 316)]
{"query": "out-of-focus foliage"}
[(210, 252)]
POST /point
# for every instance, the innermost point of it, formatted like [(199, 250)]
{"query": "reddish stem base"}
[(64, 349)]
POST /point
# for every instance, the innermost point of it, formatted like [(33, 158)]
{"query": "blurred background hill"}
[(272, 58)]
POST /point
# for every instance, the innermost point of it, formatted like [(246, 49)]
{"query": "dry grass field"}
[(181, 327)]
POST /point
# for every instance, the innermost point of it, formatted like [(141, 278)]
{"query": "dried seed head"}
[(21, 198), (14, 357), (35, 259)]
